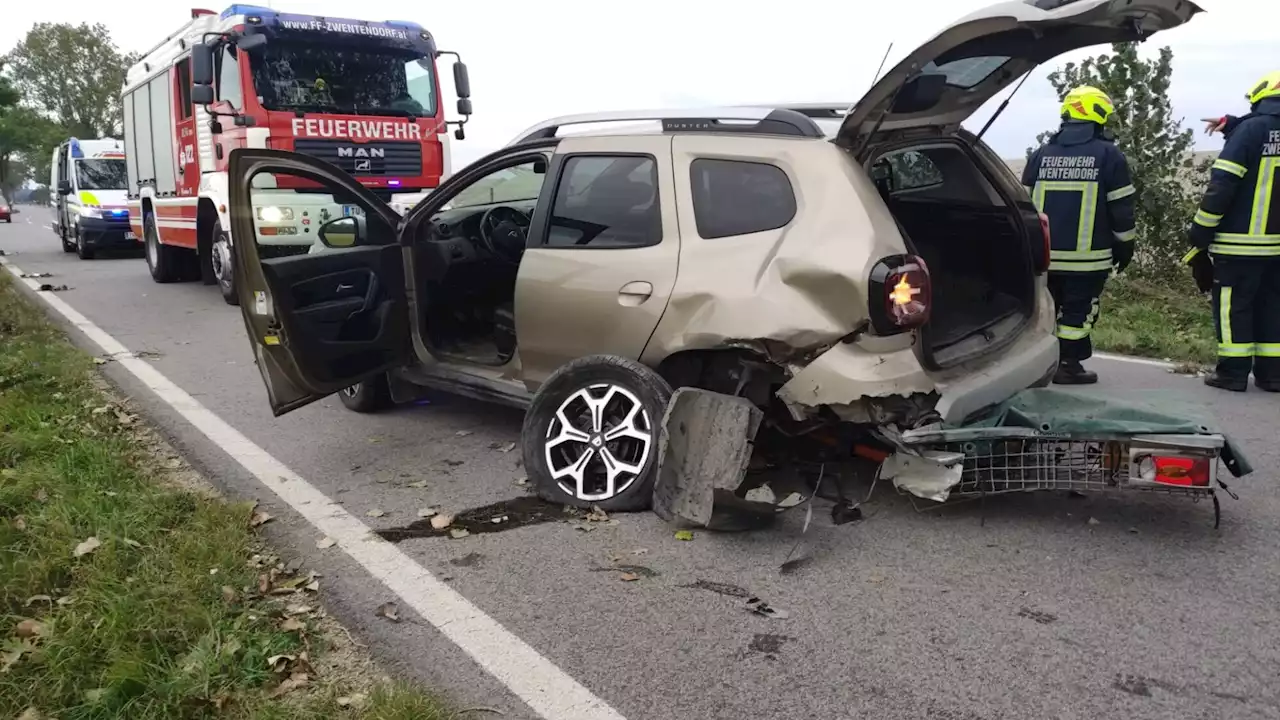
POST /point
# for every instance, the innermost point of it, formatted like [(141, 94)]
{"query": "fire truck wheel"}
[(223, 263), (164, 261), (83, 251)]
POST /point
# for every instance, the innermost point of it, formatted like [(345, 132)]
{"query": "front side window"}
[(732, 197), (606, 201), (518, 183), (101, 175), (229, 78), (292, 75)]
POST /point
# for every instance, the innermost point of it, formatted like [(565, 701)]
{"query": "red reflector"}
[(908, 294), (1182, 471)]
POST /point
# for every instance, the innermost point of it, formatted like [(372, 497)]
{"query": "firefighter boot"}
[(1226, 382), (1071, 372)]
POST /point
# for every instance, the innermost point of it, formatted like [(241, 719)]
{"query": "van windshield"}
[(101, 175), (290, 75)]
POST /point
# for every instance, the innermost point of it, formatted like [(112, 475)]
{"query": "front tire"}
[(83, 251), (164, 261), (68, 246), (590, 437), (223, 265), (367, 396)]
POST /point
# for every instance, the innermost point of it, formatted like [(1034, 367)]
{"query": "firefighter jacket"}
[(1080, 179), (1235, 217)]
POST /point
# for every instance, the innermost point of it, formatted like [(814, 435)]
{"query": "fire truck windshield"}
[(101, 175), (291, 75)]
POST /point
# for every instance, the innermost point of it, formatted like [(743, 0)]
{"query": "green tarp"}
[(1087, 414)]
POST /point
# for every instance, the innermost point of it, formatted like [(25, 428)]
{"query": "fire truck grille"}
[(365, 159)]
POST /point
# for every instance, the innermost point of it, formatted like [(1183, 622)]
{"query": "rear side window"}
[(606, 201), (733, 197), (913, 170)]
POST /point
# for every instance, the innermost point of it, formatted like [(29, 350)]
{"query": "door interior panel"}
[(335, 311)]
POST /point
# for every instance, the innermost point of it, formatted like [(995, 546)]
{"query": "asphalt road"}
[(1056, 607)]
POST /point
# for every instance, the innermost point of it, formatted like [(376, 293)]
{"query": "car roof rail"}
[(754, 120), (834, 110)]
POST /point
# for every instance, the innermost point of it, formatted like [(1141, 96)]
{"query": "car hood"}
[(103, 198), (948, 78)]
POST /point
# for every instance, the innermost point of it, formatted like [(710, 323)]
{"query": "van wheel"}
[(591, 434), (367, 396), (164, 261), (83, 251), (68, 246), (223, 265)]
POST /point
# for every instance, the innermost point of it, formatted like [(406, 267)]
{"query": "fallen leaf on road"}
[(628, 577), (89, 545), (37, 598), (325, 542), (597, 515), (441, 521), (29, 628), (294, 682), (260, 518), (417, 484), (280, 663), (684, 534), (458, 533), (376, 513), (99, 361), (507, 448), (292, 625), (427, 512), (388, 611)]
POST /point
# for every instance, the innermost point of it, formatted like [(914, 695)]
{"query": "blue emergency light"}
[(76, 152)]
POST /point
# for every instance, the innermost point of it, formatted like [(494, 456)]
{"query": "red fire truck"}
[(362, 95)]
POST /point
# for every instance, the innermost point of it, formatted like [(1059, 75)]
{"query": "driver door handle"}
[(635, 292)]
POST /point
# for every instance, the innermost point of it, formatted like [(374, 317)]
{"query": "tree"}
[(73, 74), (1154, 141), (26, 144)]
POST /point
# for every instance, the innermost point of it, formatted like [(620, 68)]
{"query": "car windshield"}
[(290, 75), (513, 184), (101, 175)]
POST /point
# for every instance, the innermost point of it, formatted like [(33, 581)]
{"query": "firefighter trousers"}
[(1246, 316), (1076, 295)]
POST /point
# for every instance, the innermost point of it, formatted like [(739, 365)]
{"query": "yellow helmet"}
[(1268, 86), (1087, 103)]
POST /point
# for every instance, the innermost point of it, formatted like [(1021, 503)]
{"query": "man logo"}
[(360, 151), (362, 165)]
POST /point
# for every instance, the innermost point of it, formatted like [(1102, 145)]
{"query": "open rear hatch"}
[(949, 77)]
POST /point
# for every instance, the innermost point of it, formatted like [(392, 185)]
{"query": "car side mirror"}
[(343, 232), (64, 187)]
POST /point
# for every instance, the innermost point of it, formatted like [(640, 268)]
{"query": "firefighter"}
[(1235, 239), (1081, 181)]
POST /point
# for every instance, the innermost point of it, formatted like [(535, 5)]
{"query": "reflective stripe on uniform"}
[(1088, 206), (1262, 195), (1121, 193), (1095, 266), (1235, 350), (1126, 236), (1227, 348), (1267, 350), (1070, 332), (1228, 166), (1245, 244), (1207, 219)]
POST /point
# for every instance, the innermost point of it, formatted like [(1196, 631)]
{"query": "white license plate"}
[(352, 211), (129, 235)]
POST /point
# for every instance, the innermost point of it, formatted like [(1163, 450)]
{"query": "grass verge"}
[(127, 590), (1163, 321)]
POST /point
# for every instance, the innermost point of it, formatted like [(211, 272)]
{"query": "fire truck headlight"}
[(273, 214)]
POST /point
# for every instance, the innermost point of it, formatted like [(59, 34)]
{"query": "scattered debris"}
[(325, 543), (1043, 618), (756, 606), (1094, 521), (464, 433), (36, 275), (845, 512), (458, 533), (519, 512), (499, 519), (376, 513), (522, 481), (389, 611), (719, 588), (628, 577), (929, 475), (441, 521), (684, 535), (507, 448), (427, 512), (763, 494), (260, 518), (37, 598), (417, 484), (767, 644), (90, 544), (292, 625), (468, 560), (293, 682), (29, 628), (53, 288), (352, 700), (1133, 531), (597, 515)]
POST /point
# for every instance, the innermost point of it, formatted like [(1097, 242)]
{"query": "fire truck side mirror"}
[(461, 82), (201, 65), (464, 106), (202, 95)]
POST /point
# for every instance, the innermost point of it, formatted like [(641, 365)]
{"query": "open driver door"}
[(325, 315)]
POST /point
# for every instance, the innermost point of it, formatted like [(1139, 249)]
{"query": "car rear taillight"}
[(1042, 265), (1176, 470), (900, 294)]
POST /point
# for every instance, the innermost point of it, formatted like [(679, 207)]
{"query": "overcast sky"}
[(532, 60)]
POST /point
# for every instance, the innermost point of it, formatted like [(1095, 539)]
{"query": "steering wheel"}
[(503, 231)]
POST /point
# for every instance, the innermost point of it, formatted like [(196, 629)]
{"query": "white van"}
[(89, 183)]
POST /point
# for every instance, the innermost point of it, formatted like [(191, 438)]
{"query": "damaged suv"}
[(842, 268)]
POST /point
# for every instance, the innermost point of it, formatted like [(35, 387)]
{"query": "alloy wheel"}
[(220, 258), (598, 442)]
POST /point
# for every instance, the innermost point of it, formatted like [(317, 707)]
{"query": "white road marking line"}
[(1135, 360), (547, 689)]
